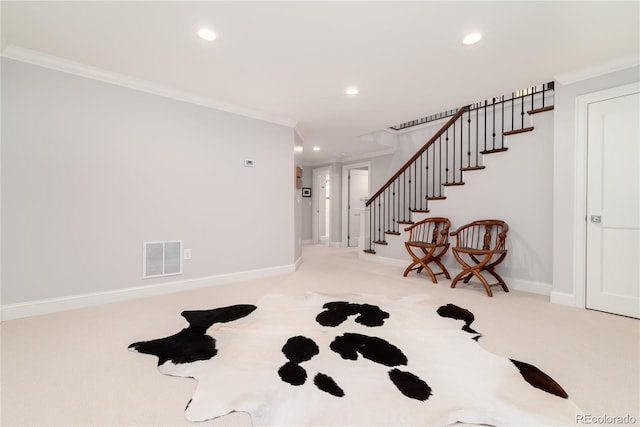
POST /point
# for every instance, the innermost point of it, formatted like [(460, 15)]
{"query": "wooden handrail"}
[(437, 135)]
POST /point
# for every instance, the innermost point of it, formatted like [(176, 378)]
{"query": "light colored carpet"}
[(73, 368)]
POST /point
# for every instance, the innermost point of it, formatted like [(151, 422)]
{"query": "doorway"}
[(321, 205), (612, 200), (355, 192)]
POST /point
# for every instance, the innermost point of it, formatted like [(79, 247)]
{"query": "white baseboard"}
[(52, 305), (513, 283), (563, 298)]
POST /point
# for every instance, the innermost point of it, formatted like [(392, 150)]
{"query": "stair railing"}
[(454, 149)]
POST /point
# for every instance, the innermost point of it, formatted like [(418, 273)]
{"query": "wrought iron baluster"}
[(522, 111), (502, 121), (493, 129), (404, 193), (477, 131), (440, 166), (532, 93), (446, 163), (421, 182), (513, 111), (485, 125), (379, 219), (461, 147), (393, 202), (468, 138)]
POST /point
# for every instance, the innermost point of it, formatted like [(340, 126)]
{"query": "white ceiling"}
[(294, 60)]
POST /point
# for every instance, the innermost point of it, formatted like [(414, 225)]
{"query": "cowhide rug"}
[(353, 360)]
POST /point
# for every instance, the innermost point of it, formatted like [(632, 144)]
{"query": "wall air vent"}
[(161, 259)]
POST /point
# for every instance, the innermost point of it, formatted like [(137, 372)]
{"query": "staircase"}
[(459, 146)]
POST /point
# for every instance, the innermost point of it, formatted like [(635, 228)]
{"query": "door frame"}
[(345, 193), (580, 205), (327, 170)]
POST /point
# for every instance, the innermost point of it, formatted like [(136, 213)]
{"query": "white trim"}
[(82, 70), (599, 70), (315, 206), (297, 131), (299, 262), (562, 298), (52, 305), (580, 190), (355, 157)]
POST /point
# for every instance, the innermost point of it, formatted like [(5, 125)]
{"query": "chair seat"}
[(479, 251), (425, 244)]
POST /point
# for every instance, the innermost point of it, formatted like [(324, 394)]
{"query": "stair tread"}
[(516, 131), (393, 233), (405, 222), (380, 242), (419, 210), (369, 251), (495, 150), (471, 168), (540, 110), (436, 197), (449, 184)]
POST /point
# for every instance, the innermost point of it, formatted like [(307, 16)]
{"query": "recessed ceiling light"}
[(472, 38), (206, 34), (352, 91), (316, 148)]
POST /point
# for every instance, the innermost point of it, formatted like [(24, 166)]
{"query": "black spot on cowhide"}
[(338, 311), (539, 379), (452, 311), (292, 373), (410, 385), (327, 384), (373, 348), (186, 346), (192, 343), (297, 349), (300, 349), (207, 318)]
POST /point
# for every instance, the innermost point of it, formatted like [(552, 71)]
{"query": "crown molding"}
[(599, 70), (70, 67), (347, 159)]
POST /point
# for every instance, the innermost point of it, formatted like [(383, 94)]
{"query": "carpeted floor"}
[(73, 368)]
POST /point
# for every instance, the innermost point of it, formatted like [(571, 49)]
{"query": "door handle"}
[(596, 219)]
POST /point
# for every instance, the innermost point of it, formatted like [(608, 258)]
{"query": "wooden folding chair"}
[(481, 246), (428, 242)]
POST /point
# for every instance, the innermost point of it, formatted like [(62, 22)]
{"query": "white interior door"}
[(613, 206), (321, 205), (358, 193)]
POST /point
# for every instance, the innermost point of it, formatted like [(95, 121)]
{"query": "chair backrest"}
[(433, 230), (487, 235)]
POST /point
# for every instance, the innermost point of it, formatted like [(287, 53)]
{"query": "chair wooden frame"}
[(431, 237), (481, 246)]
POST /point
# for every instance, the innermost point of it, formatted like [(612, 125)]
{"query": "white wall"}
[(566, 218), (90, 170)]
